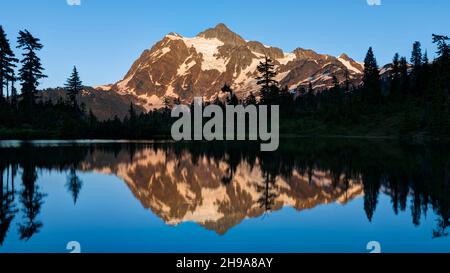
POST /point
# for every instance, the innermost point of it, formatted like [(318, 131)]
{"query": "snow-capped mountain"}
[(181, 67)]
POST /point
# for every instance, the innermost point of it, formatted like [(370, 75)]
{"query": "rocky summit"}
[(181, 67)]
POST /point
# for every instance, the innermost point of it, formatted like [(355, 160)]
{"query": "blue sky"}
[(104, 37)]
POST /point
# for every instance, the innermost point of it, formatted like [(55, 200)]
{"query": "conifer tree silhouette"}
[(7, 64), (74, 86), (371, 78), (31, 71), (266, 79)]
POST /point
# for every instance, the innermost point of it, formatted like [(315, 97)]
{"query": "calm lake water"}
[(310, 196)]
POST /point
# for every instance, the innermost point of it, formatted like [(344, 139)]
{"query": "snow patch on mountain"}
[(185, 67), (349, 66), (123, 84), (150, 102), (288, 57), (159, 53), (209, 48)]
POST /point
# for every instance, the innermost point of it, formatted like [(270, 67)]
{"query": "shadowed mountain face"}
[(181, 67), (219, 185), (104, 105)]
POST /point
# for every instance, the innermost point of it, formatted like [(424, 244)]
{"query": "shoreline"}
[(167, 139)]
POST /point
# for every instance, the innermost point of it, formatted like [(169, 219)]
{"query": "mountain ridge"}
[(182, 67)]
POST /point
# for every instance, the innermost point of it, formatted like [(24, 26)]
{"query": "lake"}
[(312, 195)]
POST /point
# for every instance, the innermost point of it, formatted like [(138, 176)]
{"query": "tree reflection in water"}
[(303, 173)]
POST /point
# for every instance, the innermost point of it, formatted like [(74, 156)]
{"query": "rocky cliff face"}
[(180, 67)]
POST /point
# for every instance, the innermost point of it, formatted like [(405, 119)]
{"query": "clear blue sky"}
[(104, 37)]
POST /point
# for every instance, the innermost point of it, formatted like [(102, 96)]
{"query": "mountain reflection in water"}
[(218, 185)]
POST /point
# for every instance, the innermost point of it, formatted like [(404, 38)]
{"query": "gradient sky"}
[(103, 37)]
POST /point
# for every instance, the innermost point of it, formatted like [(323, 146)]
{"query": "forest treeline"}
[(414, 100)]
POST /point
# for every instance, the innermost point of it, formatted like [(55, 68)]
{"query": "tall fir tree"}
[(74, 86), (404, 77), (31, 71), (266, 79), (443, 51), (131, 122), (371, 78), (250, 99), (425, 60), (347, 84), (395, 78), (416, 55), (13, 97), (416, 61), (443, 63), (132, 115), (441, 79), (425, 74), (74, 185), (7, 64), (310, 98)]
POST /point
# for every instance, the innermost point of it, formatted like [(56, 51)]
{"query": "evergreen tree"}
[(227, 89), (416, 55), (31, 71), (425, 60), (301, 91), (232, 99), (92, 119), (371, 78), (131, 122), (266, 80), (443, 63), (250, 99), (310, 98), (335, 82), (132, 113), (286, 100), (166, 102), (440, 86), (7, 62), (395, 78), (13, 98), (404, 77), (425, 75), (74, 86), (310, 89), (347, 81), (416, 61), (218, 102), (32, 200), (443, 48), (74, 185)]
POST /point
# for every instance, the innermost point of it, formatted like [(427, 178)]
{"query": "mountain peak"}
[(186, 67), (222, 27), (224, 34), (174, 34), (345, 57)]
